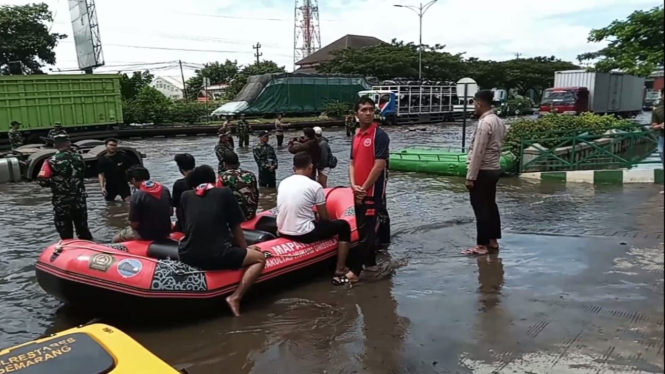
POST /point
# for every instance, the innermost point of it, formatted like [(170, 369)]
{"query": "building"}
[(309, 63), (171, 87), (655, 81)]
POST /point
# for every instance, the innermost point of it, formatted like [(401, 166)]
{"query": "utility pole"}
[(517, 55), (420, 11), (257, 54), (182, 75)]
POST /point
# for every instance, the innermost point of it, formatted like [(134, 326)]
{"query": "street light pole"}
[(420, 11)]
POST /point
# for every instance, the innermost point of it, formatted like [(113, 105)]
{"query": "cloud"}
[(227, 29)]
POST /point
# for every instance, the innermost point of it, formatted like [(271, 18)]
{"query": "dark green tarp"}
[(305, 93)]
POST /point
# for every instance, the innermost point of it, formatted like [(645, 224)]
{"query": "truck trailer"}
[(579, 91), (78, 102)]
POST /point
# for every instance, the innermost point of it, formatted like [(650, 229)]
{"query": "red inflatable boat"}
[(140, 273)]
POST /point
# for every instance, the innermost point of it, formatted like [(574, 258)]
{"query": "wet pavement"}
[(577, 287)]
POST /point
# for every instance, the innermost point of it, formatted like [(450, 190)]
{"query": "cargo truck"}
[(579, 91), (78, 102)]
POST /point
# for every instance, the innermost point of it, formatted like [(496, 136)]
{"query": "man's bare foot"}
[(234, 304)]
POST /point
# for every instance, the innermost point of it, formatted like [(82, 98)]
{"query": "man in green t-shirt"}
[(658, 123)]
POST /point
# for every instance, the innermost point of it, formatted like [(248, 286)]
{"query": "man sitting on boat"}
[(213, 239), (149, 209), (297, 196)]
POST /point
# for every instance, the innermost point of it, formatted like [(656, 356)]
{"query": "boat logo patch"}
[(101, 262), (129, 267), (368, 142)]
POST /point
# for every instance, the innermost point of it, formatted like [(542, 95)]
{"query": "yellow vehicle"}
[(91, 349)]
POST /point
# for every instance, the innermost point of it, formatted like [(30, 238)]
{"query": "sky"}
[(200, 31)]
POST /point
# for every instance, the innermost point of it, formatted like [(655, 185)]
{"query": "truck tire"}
[(391, 120)]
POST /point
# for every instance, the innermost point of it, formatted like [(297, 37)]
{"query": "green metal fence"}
[(614, 148)]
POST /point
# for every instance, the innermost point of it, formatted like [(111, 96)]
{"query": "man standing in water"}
[(224, 145), (111, 168), (658, 123), (266, 160), (15, 137), (368, 173), (484, 169), (279, 130), (64, 173), (243, 130), (56, 130), (243, 184), (213, 238)]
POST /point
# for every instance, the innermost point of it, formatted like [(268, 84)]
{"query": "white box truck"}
[(579, 91)]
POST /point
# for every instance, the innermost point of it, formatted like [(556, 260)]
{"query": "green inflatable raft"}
[(435, 160)]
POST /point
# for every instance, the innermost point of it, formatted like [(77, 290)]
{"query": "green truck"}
[(78, 102)]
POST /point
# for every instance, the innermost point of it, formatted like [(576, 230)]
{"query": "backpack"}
[(332, 161)]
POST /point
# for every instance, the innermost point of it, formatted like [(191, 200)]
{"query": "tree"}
[(635, 45), (149, 106), (240, 80), (535, 74), (25, 37), (218, 73), (396, 60), (131, 86)]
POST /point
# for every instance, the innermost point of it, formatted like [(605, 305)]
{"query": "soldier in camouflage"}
[(56, 130), (242, 130), (15, 137), (64, 173), (350, 124), (242, 183), (225, 145), (266, 160)]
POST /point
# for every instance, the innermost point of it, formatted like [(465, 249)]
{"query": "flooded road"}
[(577, 288)]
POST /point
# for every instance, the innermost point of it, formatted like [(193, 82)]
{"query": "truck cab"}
[(565, 100), (386, 104)]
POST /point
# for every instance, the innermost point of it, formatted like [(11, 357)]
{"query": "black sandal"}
[(341, 280)]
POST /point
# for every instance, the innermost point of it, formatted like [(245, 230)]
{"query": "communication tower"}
[(307, 34)]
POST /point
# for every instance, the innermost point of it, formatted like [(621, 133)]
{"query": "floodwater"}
[(577, 287)]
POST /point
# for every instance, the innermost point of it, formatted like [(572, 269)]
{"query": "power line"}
[(181, 49)]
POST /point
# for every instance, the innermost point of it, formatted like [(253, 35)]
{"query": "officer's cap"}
[(58, 124), (264, 133), (14, 123)]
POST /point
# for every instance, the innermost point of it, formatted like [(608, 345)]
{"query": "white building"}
[(171, 87)]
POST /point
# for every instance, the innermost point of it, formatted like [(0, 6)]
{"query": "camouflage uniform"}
[(245, 189), (265, 157), (65, 178), (350, 125), (243, 129), (15, 138), (56, 131), (221, 148)]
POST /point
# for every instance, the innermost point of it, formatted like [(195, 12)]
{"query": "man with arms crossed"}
[(213, 238), (112, 168), (297, 196)]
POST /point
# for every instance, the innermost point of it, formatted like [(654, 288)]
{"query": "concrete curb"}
[(599, 176)]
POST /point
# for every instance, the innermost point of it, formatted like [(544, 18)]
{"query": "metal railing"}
[(613, 148)]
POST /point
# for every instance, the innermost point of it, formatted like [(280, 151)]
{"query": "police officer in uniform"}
[(266, 160), (64, 173)]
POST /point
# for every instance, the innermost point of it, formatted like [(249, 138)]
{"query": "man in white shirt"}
[(297, 196)]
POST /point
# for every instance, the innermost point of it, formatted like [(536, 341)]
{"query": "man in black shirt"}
[(112, 167), (213, 238), (186, 163), (149, 209)]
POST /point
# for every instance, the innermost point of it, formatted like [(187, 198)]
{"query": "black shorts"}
[(230, 258), (112, 191), (325, 230), (367, 219)]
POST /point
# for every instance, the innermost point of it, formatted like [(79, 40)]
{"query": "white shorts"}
[(325, 171)]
